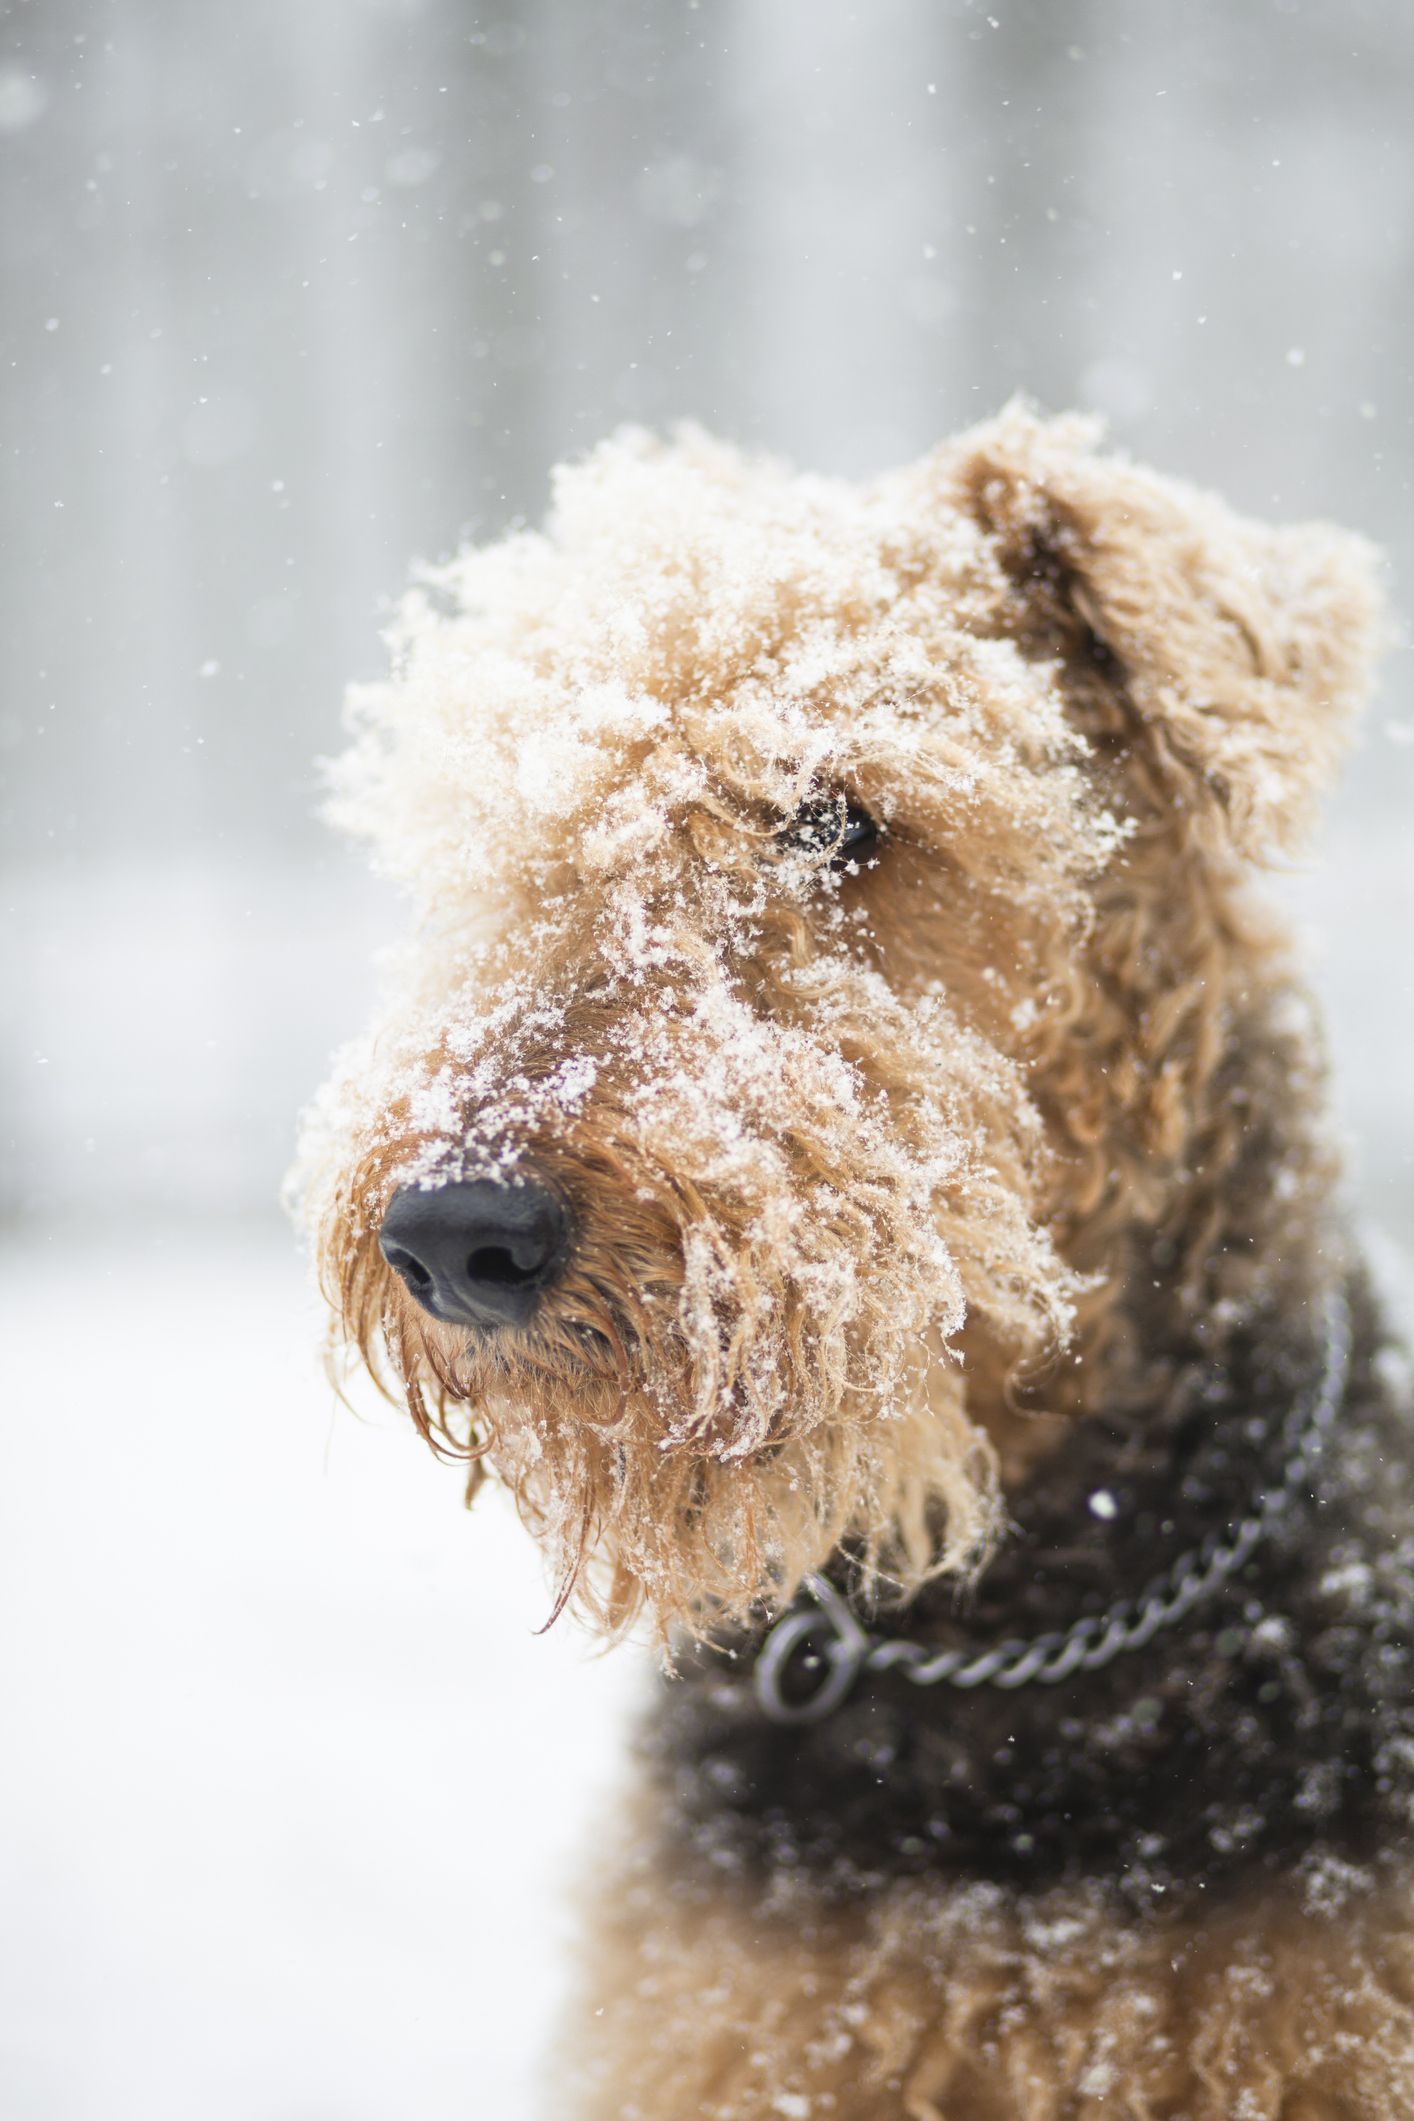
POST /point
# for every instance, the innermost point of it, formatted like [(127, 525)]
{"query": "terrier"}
[(846, 1149)]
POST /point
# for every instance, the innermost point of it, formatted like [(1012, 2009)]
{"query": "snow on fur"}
[(790, 1104)]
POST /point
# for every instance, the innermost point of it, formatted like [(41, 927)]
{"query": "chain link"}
[(825, 1635)]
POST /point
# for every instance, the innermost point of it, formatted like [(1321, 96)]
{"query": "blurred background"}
[(293, 293)]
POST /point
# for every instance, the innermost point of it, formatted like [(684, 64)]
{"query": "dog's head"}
[(825, 952)]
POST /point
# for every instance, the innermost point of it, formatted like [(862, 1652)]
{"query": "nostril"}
[(411, 1270), (494, 1263)]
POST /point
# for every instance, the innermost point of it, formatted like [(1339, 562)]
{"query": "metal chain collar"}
[(826, 1636)]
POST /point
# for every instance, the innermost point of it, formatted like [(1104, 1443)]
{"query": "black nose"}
[(478, 1253)]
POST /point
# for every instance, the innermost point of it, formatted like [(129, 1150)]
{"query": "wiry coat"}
[(912, 1196)]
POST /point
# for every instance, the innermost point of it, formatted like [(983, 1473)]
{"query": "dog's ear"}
[(1234, 654)]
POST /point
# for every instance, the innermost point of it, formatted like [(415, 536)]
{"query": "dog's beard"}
[(783, 1215)]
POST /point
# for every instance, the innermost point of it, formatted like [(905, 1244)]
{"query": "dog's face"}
[(764, 1049)]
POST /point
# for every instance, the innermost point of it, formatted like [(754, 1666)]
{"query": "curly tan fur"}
[(1297, 2005), (866, 1164), (853, 1160)]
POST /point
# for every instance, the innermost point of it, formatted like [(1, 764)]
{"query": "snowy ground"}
[(289, 1790)]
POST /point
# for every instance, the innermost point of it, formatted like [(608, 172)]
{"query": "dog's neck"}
[(1198, 1753), (814, 1656), (1182, 1255), (1257, 1728)]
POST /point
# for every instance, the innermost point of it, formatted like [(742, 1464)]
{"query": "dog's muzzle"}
[(478, 1253)]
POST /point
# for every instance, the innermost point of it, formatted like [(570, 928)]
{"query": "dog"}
[(846, 1147)]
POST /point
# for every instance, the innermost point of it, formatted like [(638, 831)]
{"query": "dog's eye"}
[(834, 827)]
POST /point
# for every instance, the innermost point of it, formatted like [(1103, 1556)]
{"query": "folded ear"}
[(1239, 653)]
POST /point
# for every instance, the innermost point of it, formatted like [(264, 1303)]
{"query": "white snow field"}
[(291, 1797)]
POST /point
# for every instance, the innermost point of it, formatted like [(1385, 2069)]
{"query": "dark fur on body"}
[(1278, 1716)]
